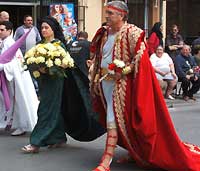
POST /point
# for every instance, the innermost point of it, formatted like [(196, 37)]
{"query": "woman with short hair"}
[(164, 69)]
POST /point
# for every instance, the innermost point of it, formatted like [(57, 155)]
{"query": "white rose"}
[(57, 62), (119, 63), (49, 63)]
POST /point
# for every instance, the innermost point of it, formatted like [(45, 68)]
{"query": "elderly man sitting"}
[(185, 69), (164, 68)]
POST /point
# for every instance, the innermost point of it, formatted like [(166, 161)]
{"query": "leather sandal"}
[(101, 166), (30, 149), (104, 168)]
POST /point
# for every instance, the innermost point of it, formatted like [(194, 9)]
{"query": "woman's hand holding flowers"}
[(49, 58)]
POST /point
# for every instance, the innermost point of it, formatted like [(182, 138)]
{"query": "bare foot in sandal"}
[(30, 149)]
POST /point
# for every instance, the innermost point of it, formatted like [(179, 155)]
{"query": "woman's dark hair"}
[(156, 29), (55, 26)]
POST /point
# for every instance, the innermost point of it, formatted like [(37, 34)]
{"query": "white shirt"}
[(163, 63)]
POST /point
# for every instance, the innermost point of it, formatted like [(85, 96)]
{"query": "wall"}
[(93, 15)]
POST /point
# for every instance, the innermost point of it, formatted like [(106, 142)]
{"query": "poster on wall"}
[(64, 14)]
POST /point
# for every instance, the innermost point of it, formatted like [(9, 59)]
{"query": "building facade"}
[(89, 14)]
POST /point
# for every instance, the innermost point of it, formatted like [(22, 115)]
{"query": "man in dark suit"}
[(185, 64)]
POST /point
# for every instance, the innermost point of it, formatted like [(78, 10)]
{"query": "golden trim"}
[(128, 35), (138, 57), (111, 125), (193, 148), (126, 70)]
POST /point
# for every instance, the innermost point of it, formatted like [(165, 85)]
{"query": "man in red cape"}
[(142, 123)]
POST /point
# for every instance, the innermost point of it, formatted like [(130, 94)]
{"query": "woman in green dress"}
[(65, 103), (49, 130)]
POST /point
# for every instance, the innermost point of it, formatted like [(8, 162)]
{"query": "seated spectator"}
[(155, 38), (185, 64), (174, 42), (164, 68)]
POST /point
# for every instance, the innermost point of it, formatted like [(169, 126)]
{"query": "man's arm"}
[(179, 70), (38, 37), (18, 34)]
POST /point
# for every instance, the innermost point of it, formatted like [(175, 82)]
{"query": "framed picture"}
[(64, 14)]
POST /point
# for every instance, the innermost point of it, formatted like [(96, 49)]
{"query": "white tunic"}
[(108, 86), (22, 94)]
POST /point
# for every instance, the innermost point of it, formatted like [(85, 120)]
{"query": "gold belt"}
[(109, 77)]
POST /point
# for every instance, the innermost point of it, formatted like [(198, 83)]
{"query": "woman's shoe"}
[(170, 97), (30, 149), (18, 132)]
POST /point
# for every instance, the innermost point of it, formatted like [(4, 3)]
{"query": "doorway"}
[(17, 13)]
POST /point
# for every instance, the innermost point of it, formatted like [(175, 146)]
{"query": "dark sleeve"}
[(88, 50), (63, 46), (180, 38), (168, 41), (17, 34), (38, 37), (67, 46), (178, 67), (193, 61)]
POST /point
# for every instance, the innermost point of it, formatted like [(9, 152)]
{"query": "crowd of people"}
[(100, 90), (179, 60)]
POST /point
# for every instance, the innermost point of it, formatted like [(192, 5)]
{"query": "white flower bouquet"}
[(48, 58), (116, 66)]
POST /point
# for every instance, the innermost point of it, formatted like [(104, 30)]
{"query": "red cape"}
[(146, 129)]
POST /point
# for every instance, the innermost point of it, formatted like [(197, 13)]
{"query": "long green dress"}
[(65, 106), (50, 126)]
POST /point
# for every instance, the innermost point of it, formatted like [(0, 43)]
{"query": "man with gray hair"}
[(129, 100), (185, 65)]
